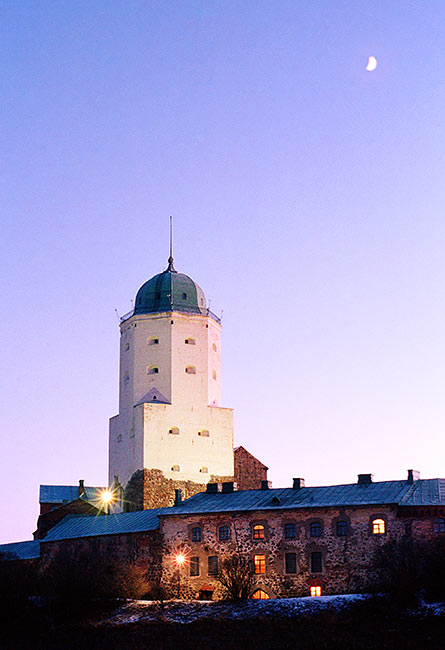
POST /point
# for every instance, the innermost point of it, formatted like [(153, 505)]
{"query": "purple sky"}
[(308, 197)]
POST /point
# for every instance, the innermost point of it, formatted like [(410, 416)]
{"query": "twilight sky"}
[(309, 203)]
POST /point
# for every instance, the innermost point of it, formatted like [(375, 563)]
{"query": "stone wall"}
[(249, 471)]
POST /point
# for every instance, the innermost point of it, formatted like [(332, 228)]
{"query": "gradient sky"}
[(309, 203)]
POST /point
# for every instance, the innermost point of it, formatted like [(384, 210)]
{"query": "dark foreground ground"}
[(374, 624)]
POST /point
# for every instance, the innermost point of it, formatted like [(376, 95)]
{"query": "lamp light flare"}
[(180, 559), (106, 496), (372, 64)]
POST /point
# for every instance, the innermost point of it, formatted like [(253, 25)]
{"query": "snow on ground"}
[(185, 612)]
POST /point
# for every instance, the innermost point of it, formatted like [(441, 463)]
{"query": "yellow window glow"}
[(315, 591), (258, 532), (378, 527), (260, 563), (259, 594)]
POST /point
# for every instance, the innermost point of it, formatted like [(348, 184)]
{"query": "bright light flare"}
[(372, 64), (180, 559), (106, 496)]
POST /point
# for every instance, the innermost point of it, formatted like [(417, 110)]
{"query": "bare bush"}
[(236, 577)]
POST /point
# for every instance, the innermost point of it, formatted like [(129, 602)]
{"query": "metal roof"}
[(67, 493), (29, 550), (421, 492), (73, 526)]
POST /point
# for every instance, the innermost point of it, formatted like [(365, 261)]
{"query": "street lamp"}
[(180, 560)]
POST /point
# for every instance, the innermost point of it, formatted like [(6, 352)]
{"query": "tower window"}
[(190, 341), (152, 340), (152, 370), (204, 433), (214, 374), (214, 348), (184, 296), (378, 527), (127, 347), (119, 438), (174, 430), (190, 370), (204, 470), (175, 468)]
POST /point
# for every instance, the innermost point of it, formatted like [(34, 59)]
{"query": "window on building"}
[(316, 529), (184, 296), (378, 527), (315, 591), (194, 566), (290, 531), (260, 594), (119, 438), (152, 370), (175, 468), (174, 431), (439, 525), (316, 562), (214, 374), (196, 534), (152, 340), (190, 370), (214, 348), (127, 346), (258, 531), (190, 341), (157, 295), (342, 528), (213, 565), (291, 563), (259, 563), (204, 470), (204, 433), (223, 533)]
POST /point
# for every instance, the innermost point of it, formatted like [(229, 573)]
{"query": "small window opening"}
[(260, 594), (190, 370), (152, 340), (174, 431), (259, 563), (204, 470), (378, 527), (214, 348), (119, 438), (190, 341), (315, 591), (175, 468), (152, 370), (204, 433), (258, 531), (214, 374), (184, 296)]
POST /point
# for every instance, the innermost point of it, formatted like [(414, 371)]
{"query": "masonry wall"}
[(249, 471)]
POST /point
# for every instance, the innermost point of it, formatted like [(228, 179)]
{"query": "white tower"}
[(170, 418)]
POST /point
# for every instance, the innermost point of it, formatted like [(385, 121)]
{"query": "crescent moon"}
[(372, 64)]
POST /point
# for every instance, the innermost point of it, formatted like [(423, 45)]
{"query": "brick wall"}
[(249, 471)]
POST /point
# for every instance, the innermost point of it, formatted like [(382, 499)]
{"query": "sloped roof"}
[(421, 492), (67, 493), (28, 550), (73, 526)]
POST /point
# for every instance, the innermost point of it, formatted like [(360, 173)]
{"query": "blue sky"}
[(308, 196)]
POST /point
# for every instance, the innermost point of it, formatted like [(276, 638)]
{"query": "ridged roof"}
[(67, 493), (29, 550)]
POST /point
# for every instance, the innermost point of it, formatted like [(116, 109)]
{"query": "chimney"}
[(227, 487), (178, 497), (266, 485), (298, 483), (413, 475), (364, 479), (212, 488), (81, 487)]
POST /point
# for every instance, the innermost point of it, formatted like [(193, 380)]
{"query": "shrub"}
[(236, 578)]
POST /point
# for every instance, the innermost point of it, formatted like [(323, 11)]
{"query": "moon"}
[(372, 64)]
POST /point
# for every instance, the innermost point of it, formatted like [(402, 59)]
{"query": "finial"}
[(170, 266)]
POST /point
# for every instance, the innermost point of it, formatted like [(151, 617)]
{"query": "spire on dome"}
[(170, 268)]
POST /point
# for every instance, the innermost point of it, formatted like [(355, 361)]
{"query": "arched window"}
[(260, 594), (174, 431), (175, 468), (152, 340), (204, 470), (190, 341), (316, 529), (190, 370), (378, 527), (290, 531), (152, 370), (439, 525), (342, 528), (258, 531), (204, 433), (223, 533)]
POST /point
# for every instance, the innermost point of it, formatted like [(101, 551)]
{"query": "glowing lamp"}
[(180, 559), (106, 496)]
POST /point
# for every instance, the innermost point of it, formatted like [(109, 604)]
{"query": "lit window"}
[(175, 468), (152, 370), (194, 566), (190, 342), (223, 533), (291, 563), (204, 470), (315, 591), (316, 529), (190, 370), (152, 340), (258, 531), (290, 531), (259, 594), (174, 431), (439, 525), (204, 433), (342, 528), (259, 562), (196, 534), (213, 565), (316, 562), (378, 527)]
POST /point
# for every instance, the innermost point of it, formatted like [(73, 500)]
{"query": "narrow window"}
[(127, 346), (439, 525), (152, 340), (259, 563), (196, 534), (213, 565), (214, 348), (316, 562), (152, 370), (316, 529), (204, 433), (119, 438), (258, 532), (223, 533), (378, 527), (204, 470), (342, 528), (184, 296), (290, 531), (214, 374), (260, 594), (174, 431), (194, 566), (190, 370), (175, 468), (190, 341), (291, 563), (315, 591)]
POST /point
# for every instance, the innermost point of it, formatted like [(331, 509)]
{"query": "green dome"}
[(170, 291)]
